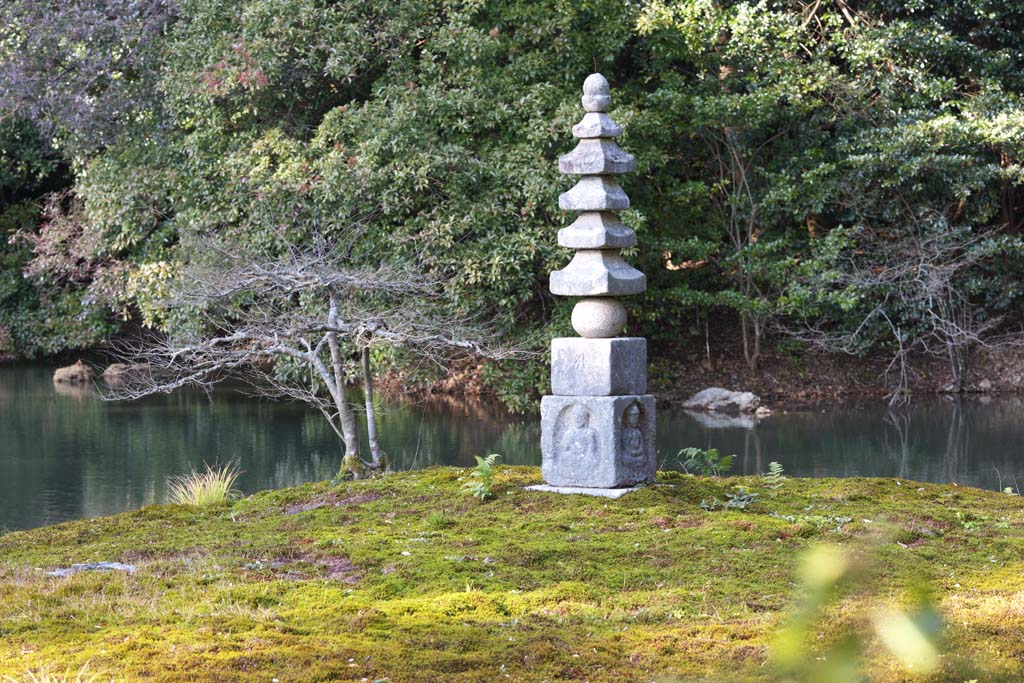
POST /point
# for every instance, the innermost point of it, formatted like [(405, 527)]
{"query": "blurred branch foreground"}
[(298, 323), (829, 574)]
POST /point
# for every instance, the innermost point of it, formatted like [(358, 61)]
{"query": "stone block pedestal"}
[(597, 441), (598, 367)]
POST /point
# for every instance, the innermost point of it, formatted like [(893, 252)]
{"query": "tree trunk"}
[(755, 358), (376, 457), (349, 433), (751, 325)]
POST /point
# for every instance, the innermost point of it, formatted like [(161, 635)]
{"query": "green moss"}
[(405, 578)]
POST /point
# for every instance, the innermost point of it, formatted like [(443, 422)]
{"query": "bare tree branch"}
[(288, 324)]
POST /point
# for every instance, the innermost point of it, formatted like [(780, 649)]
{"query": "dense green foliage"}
[(38, 316), (793, 159)]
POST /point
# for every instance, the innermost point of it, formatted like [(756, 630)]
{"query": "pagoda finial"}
[(596, 93)]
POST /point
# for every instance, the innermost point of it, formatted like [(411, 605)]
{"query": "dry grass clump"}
[(209, 487), (83, 675)]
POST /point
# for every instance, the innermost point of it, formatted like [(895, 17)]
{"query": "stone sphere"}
[(596, 84), (599, 318), (596, 93)]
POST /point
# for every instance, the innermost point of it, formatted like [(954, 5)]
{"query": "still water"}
[(65, 454)]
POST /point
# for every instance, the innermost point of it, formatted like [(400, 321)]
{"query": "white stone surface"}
[(596, 230), (596, 156), (594, 193), (597, 272), (598, 367), (599, 318), (598, 493), (596, 125)]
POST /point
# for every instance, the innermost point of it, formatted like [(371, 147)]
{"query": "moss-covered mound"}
[(405, 578)]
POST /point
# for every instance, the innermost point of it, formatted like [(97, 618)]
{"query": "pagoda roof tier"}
[(594, 193), (597, 272), (597, 230), (596, 156)]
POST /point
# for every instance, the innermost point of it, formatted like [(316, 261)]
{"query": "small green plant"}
[(822, 521), (970, 522), (740, 499), (707, 462), (482, 476), (775, 477), (438, 520), (214, 485)]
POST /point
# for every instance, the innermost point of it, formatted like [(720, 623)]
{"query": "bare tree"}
[(287, 325), (738, 209)]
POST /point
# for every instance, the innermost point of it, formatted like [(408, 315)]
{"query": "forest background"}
[(830, 176)]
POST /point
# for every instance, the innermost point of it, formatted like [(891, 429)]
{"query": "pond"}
[(65, 454)]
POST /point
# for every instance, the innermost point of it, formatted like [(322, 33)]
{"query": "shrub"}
[(214, 485)]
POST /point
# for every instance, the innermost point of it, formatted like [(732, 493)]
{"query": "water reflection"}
[(970, 442), (65, 454)]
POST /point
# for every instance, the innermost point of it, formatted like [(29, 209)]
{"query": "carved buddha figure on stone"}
[(580, 439)]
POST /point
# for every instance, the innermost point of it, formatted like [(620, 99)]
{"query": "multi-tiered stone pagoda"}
[(597, 430)]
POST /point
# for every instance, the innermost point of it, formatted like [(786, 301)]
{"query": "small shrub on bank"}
[(214, 485)]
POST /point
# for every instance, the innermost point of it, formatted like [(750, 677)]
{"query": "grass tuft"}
[(81, 676), (214, 485), (439, 520)]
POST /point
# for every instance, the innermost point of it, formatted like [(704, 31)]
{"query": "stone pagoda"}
[(597, 429)]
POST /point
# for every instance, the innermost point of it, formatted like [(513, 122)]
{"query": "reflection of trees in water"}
[(424, 434), (936, 442), (752, 446), (957, 440), (69, 456), (898, 448), (965, 441), (519, 444), (935, 460)]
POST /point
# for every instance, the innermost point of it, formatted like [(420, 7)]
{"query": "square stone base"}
[(599, 493), (598, 367), (597, 441)]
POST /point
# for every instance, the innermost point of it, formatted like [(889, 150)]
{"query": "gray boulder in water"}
[(718, 400)]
